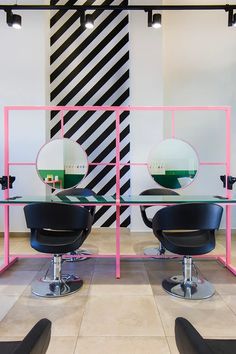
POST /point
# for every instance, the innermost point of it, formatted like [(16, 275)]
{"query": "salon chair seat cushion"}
[(63, 241), (191, 243)]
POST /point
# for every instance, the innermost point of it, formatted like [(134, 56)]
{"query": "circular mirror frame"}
[(68, 174), (173, 175)]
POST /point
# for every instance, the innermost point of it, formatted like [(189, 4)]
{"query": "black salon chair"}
[(189, 341), (153, 251), (35, 342), (188, 230), (58, 229), (83, 192)]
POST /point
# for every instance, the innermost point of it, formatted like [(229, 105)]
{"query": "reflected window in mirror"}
[(173, 163), (62, 163)]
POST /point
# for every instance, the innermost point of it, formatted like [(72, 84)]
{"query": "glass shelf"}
[(124, 199)]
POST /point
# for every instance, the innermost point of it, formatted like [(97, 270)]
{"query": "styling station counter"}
[(136, 200), (164, 166)]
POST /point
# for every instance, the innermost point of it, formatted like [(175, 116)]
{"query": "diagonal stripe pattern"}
[(92, 68)]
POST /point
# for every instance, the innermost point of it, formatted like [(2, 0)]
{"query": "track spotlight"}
[(154, 20), (13, 20), (89, 23), (87, 20), (234, 20), (231, 18)]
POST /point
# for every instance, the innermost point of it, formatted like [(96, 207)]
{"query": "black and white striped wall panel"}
[(91, 67)]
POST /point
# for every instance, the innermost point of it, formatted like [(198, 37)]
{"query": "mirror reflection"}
[(62, 163), (173, 163)]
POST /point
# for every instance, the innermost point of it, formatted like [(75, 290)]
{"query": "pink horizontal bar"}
[(12, 260), (134, 164), (21, 163), (228, 266), (55, 201), (122, 163), (213, 163), (169, 256), (36, 255), (146, 204), (43, 255), (102, 163), (118, 108)]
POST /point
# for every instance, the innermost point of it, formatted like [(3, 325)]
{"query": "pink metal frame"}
[(8, 260)]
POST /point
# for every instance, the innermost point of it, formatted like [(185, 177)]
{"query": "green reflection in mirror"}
[(62, 163), (173, 163)]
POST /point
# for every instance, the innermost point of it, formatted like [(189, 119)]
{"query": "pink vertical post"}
[(6, 191), (117, 194), (227, 137), (172, 124), (228, 193), (228, 234)]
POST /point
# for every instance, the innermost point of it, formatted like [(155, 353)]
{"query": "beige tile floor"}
[(128, 315)]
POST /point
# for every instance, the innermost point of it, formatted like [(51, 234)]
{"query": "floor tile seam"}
[(168, 339), (109, 273), (122, 336), (85, 305), (160, 316), (108, 279), (226, 304), (120, 295), (10, 309), (221, 337), (152, 289), (123, 269), (115, 295), (41, 299), (11, 294), (168, 344)]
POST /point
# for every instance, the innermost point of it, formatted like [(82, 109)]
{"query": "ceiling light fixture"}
[(89, 23), (154, 21), (234, 20), (13, 20), (87, 20), (231, 18)]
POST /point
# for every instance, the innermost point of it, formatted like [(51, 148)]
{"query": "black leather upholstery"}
[(188, 229), (57, 228), (35, 342), (84, 192), (189, 341), (153, 191)]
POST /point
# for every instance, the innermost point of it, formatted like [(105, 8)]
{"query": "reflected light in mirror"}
[(173, 163), (62, 163)]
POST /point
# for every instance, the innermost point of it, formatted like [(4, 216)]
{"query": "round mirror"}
[(62, 163), (173, 163)]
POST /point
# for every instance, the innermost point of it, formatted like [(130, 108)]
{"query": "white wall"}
[(199, 69), (23, 73), (51, 156), (146, 89), (190, 61)]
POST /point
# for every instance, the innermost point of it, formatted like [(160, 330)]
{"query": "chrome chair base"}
[(82, 252), (65, 277), (197, 289), (56, 288), (153, 251)]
